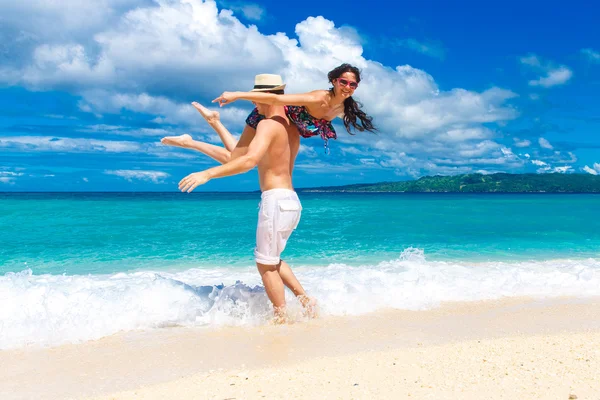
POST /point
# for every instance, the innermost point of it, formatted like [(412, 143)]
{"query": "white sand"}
[(536, 367), (487, 350)]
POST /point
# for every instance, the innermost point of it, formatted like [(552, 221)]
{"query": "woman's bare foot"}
[(212, 117), (179, 141)]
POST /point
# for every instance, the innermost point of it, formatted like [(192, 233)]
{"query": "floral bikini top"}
[(307, 124)]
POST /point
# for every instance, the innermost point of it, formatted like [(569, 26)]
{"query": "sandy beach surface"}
[(508, 349)]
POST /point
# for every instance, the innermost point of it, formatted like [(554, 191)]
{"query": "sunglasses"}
[(346, 82)]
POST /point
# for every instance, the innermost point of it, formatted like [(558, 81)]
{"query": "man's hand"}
[(192, 181), (226, 98)]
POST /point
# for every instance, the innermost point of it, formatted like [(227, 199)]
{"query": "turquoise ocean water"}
[(80, 266)]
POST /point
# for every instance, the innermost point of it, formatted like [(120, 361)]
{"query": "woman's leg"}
[(233, 148), (214, 120), (216, 152)]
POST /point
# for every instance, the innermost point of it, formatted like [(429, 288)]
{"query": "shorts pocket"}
[(288, 215)]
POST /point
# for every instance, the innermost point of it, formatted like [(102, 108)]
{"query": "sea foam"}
[(49, 310)]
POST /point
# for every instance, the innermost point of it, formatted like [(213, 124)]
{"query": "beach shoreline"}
[(150, 361)]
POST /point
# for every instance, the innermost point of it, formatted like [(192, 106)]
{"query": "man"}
[(273, 149)]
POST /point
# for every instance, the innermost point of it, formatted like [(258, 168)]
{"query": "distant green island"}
[(479, 183)]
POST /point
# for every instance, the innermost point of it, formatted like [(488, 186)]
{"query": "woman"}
[(267, 83), (313, 112)]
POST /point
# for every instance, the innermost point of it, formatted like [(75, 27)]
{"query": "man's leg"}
[(274, 288), (290, 280)]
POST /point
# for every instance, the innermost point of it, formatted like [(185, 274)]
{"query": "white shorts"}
[(278, 216)]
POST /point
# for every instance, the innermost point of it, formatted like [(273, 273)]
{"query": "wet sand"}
[(497, 349)]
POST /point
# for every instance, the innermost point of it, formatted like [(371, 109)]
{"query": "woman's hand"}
[(226, 98)]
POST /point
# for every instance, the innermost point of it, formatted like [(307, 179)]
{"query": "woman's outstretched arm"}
[(302, 99)]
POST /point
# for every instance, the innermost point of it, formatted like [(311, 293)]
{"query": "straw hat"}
[(267, 82)]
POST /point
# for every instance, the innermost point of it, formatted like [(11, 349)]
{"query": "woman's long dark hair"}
[(352, 110)]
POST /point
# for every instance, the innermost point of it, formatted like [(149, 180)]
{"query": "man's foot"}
[(179, 141), (280, 316), (311, 308), (212, 117)]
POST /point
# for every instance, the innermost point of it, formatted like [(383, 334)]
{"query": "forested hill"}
[(479, 183)]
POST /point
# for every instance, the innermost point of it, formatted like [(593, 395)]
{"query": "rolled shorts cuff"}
[(266, 260)]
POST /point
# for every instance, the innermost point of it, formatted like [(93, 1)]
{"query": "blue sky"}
[(88, 90)]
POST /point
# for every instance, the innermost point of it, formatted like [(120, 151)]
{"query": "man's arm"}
[(244, 163), (241, 147)]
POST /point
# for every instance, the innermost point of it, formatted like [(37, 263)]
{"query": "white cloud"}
[(532, 60), (430, 49), (595, 170), (522, 143), (317, 167), (461, 135), (307, 151), (125, 131), (189, 40), (591, 54), (123, 65), (167, 110), (553, 75), (253, 12), (9, 177), (539, 163), (545, 143), (563, 170), (154, 176), (70, 145)]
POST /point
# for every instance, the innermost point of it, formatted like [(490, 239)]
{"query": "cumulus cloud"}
[(591, 54), (545, 143), (152, 57), (70, 145), (563, 170), (318, 167), (130, 175), (189, 40), (166, 110), (594, 170), (431, 49), (125, 131), (558, 76), (9, 177), (552, 75), (252, 12), (522, 143)]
